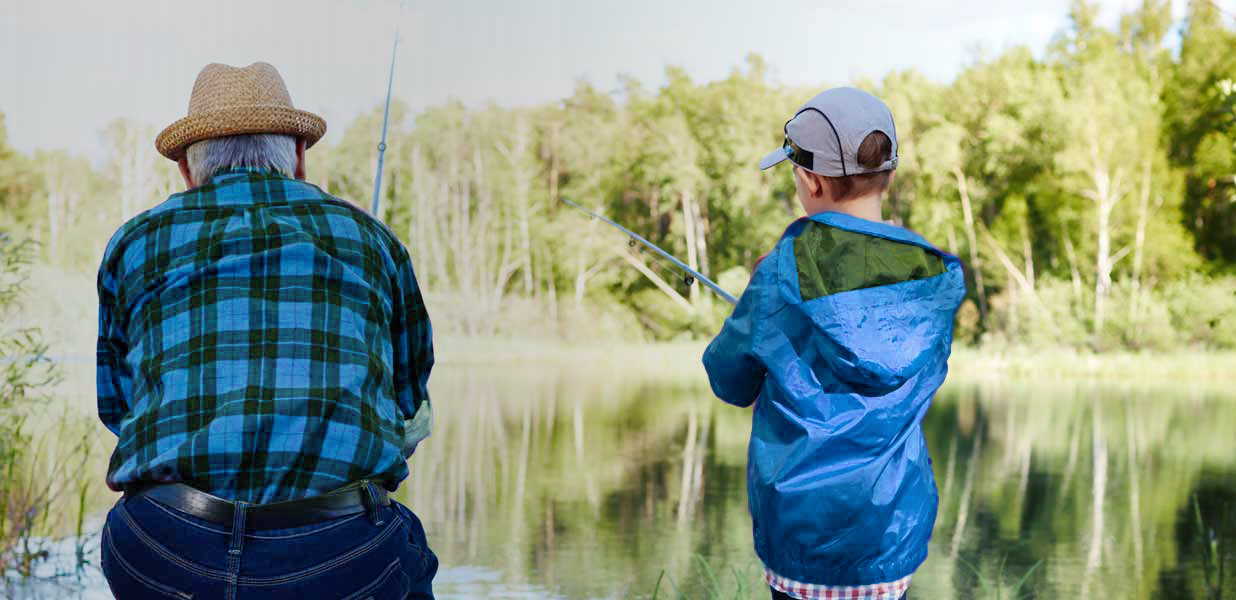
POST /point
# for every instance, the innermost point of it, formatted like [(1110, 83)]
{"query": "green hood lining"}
[(832, 260)]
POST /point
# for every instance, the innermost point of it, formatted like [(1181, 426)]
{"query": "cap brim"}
[(773, 158)]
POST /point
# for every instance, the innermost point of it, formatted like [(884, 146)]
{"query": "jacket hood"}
[(876, 338)]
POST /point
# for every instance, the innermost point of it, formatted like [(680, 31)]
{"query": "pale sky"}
[(67, 68)]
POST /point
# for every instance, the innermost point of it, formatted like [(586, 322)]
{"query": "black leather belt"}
[(276, 515)]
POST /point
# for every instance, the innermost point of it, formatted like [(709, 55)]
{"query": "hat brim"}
[(773, 158), (239, 120)]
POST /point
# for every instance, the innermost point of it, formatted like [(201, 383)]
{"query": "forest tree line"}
[(1090, 192)]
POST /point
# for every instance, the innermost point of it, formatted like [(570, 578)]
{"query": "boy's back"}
[(843, 333)]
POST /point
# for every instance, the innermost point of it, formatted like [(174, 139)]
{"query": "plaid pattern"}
[(262, 341), (812, 591)]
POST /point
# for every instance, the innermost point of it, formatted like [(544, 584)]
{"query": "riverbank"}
[(683, 359), (1184, 366), (66, 312)]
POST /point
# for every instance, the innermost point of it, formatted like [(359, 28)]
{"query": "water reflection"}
[(569, 482), (588, 484), (1091, 483)]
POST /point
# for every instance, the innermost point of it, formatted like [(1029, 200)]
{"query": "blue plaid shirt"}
[(262, 341)]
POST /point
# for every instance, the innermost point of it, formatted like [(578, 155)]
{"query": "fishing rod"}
[(635, 237), (386, 113)]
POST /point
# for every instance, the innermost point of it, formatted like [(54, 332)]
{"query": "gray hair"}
[(273, 151)]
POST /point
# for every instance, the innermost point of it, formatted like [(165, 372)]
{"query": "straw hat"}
[(231, 101)]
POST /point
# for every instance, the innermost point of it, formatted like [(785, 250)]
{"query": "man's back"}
[(260, 341)]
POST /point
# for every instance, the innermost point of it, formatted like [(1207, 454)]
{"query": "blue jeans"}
[(152, 551)]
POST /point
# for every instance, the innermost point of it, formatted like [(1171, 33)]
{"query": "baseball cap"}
[(824, 135)]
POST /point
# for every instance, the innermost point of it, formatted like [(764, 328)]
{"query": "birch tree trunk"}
[(551, 290), (515, 153), (1074, 271), (134, 164), (1105, 195), (661, 284), (689, 217), (964, 192), (581, 267), (420, 215), (701, 235), (554, 167), (1027, 254), (1139, 242)]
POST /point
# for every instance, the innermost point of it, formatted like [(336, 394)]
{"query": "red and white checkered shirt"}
[(815, 591)]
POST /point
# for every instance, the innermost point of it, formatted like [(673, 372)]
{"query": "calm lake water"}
[(548, 482)]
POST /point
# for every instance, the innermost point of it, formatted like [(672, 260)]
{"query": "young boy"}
[(843, 336)]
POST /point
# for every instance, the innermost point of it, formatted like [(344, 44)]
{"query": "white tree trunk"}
[(689, 218), (964, 192), (701, 236), (515, 154), (1074, 271), (1105, 195), (1139, 243), (656, 280), (1027, 254)]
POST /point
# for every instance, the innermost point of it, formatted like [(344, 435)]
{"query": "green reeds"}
[(714, 583), (45, 495), (991, 589), (1212, 562)]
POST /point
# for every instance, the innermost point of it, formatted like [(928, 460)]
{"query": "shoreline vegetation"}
[(681, 360), (1181, 367), (39, 435), (71, 341)]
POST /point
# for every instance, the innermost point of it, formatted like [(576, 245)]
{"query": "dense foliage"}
[(1091, 192)]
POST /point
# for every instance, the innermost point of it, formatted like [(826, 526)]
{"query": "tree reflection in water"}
[(592, 483)]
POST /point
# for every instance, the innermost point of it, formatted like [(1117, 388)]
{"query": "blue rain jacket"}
[(838, 479)]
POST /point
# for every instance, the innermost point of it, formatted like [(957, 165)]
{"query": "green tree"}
[(19, 183), (1200, 123)]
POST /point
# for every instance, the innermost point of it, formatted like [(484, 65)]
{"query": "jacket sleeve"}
[(412, 343), (735, 370)]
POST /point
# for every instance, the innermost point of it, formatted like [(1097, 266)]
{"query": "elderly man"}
[(263, 357)]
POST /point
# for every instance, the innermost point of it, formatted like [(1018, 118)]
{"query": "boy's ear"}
[(810, 181)]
